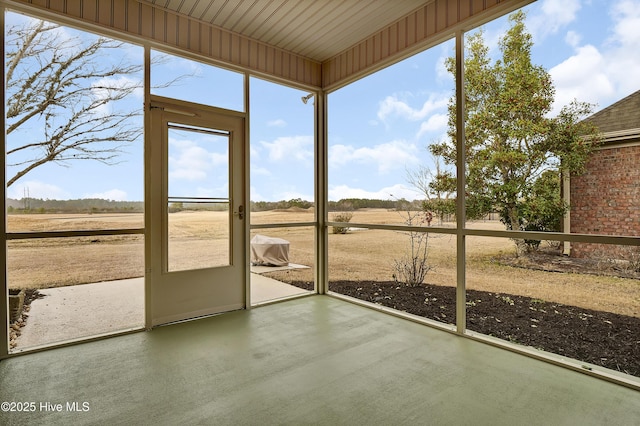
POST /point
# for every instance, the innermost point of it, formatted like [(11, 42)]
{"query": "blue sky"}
[(379, 127)]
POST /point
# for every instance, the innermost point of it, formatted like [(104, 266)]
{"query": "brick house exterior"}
[(606, 198)]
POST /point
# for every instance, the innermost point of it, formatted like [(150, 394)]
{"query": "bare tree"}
[(412, 268), (438, 187), (66, 88)]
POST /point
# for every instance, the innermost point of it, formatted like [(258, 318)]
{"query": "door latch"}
[(240, 212)]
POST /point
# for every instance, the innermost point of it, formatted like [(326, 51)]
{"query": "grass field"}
[(356, 256)]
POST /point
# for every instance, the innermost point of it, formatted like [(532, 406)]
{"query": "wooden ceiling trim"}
[(142, 21), (168, 24), (426, 27)]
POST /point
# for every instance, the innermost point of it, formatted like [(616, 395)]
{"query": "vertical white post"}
[(4, 292), (148, 256), (246, 232), (461, 318), (322, 193), (566, 226)]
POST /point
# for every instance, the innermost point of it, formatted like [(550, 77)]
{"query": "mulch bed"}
[(550, 260), (16, 327), (600, 338)]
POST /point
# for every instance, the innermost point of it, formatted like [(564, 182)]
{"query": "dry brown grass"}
[(358, 255), (368, 255)]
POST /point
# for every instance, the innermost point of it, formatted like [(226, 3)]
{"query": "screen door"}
[(196, 181)]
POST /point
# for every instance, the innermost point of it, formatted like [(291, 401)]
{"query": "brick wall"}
[(606, 198)]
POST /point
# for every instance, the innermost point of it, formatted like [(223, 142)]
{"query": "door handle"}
[(240, 212)]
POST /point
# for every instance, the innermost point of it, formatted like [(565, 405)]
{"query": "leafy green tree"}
[(543, 208), (510, 138)]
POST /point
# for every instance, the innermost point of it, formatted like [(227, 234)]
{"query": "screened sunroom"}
[(155, 150)]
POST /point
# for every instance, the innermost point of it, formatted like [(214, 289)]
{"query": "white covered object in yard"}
[(269, 251)]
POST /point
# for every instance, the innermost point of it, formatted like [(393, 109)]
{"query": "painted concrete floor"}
[(311, 361)]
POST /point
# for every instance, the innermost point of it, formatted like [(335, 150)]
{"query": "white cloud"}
[(622, 59), (396, 191), (279, 192), (254, 152), (255, 195), (581, 76), (627, 16), (601, 75), (441, 67), (102, 87), (277, 123), (192, 162), (112, 194), (393, 106), (101, 90), (260, 171), (178, 65), (560, 12), (435, 123), (572, 38), (66, 39), (208, 192), (37, 189), (554, 15), (386, 156), (299, 148)]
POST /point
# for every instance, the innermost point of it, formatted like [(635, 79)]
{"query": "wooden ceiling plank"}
[(333, 39), (261, 19), (301, 13)]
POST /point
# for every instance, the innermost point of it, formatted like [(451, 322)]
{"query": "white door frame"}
[(179, 295)]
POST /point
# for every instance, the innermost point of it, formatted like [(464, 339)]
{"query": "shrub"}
[(623, 261), (176, 207), (542, 210), (341, 217), (411, 269)]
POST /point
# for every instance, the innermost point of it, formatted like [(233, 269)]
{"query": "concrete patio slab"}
[(81, 311), (73, 312), (262, 269), (264, 289)]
